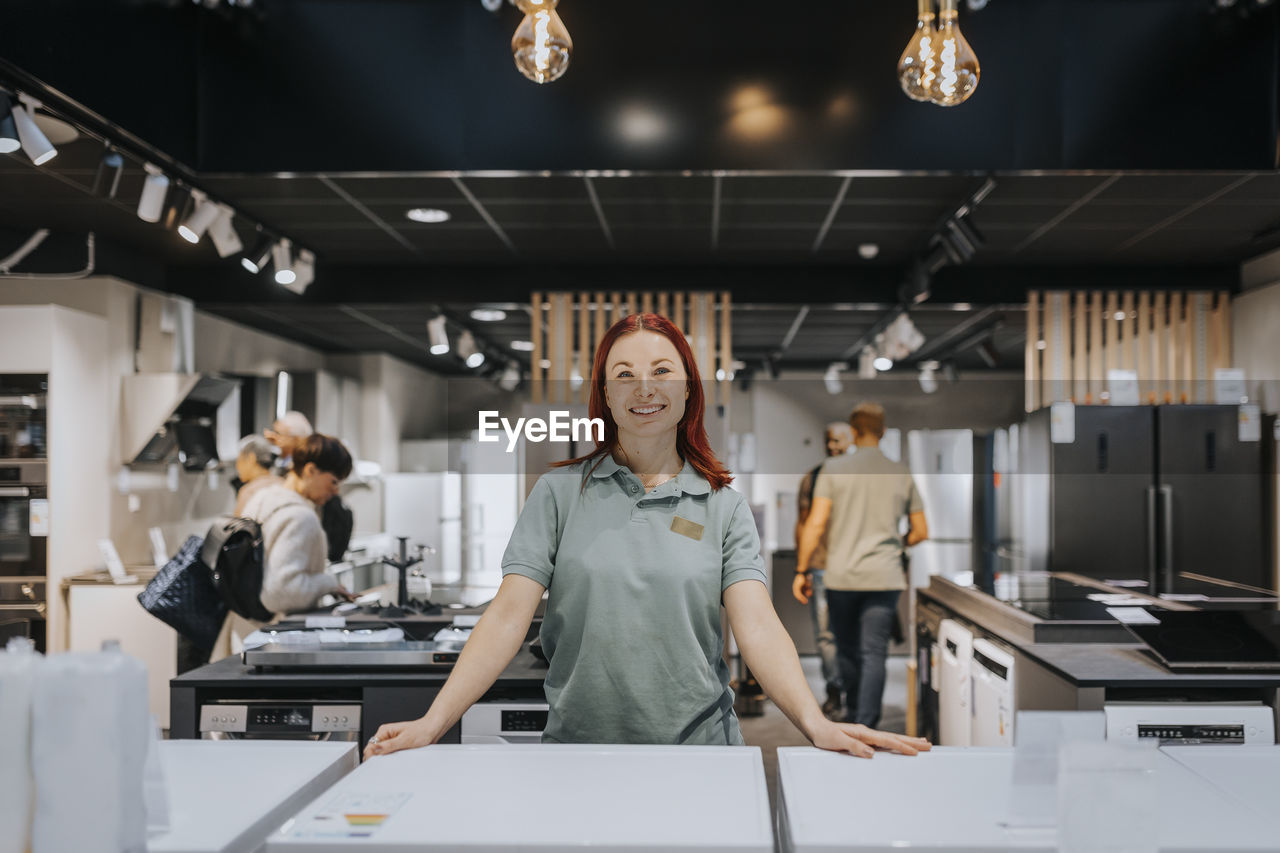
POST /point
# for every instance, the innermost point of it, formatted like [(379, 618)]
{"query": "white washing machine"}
[(955, 689), (992, 675)]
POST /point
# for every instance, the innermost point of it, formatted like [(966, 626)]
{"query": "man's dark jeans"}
[(862, 622)]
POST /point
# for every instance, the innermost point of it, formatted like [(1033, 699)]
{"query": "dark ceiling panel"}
[(1185, 188), (774, 188), (808, 215), (676, 188), (566, 214), (244, 189), (660, 214), (560, 187)]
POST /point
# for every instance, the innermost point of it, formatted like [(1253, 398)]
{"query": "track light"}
[(106, 181), (257, 258), (467, 350), (438, 335), (831, 379), (154, 189), (175, 206), (34, 142), (867, 363), (282, 261), (223, 233), (9, 141), (304, 271), (201, 217), (510, 379), (928, 377)]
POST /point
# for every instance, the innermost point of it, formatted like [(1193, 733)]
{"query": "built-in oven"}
[(24, 416), (24, 518), (284, 720)]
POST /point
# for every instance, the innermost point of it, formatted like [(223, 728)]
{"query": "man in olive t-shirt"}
[(859, 501)]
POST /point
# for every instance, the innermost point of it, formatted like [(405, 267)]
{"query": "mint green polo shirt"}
[(632, 625)]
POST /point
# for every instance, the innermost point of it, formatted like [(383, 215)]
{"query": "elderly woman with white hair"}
[(254, 462)]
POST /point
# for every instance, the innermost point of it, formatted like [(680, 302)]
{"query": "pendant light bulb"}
[(541, 46), (957, 64), (918, 65)]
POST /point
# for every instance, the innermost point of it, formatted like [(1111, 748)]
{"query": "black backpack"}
[(233, 552)]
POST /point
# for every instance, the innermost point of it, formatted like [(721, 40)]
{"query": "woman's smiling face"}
[(645, 385)]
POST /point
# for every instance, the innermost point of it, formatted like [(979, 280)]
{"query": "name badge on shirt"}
[(685, 527)]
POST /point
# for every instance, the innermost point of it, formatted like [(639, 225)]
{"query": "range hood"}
[(167, 414)]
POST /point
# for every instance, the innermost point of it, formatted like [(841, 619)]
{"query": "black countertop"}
[(1126, 666), (525, 670)]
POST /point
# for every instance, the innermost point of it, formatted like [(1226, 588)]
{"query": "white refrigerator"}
[(941, 463)]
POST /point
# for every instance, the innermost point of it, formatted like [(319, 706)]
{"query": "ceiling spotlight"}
[(304, 272), (223, 233), (201, 217), (928, 377), (541, 46), (175, 206), (831, 379), (989, 354), (438, 335), (106, 180), (154, 189), (429, 215), (522, 346), (259, 256), (883, 363), (867, 363), (34, 142), (510, 379), (488, 315), (467, 350), (867, 251), (282, 260), (9, 141)]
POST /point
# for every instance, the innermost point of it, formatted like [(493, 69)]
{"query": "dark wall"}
[(394, 85)]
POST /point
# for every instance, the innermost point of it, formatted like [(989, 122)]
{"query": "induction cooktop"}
[(1058, 600), (1196, 641)]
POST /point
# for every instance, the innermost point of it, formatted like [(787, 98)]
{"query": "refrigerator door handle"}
[(1166, 558), (1152, 544)]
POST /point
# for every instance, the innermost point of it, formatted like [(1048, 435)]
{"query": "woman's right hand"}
[(393, 737)]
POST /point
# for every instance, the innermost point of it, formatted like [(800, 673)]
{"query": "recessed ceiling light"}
[(522, 346), (867, 251), (488, 315), (429, 215)]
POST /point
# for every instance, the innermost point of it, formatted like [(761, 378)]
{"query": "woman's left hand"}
[(863, 742)]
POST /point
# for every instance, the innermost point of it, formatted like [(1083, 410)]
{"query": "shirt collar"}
[(689, 480)]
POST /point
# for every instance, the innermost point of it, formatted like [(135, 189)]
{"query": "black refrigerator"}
[(1146, 493)]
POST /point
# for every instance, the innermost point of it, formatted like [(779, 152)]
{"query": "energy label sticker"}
[(348, 815)]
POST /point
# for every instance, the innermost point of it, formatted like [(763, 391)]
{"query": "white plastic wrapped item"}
[(18, 666), (88, 750)]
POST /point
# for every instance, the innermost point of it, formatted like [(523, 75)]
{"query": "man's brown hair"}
[(868, 419)]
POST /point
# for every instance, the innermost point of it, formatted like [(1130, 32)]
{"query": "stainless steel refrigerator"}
[(941, 463), (1145, 493)]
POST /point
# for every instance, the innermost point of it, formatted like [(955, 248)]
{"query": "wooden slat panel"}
[(726, 347), (1032, 368), (1224, 335), (1057, 366), (552, 343), (1080, 371), (677, 313), (615, 307), (1176, 361), (584, 346), (1199, 320), (1110, 331), (1144, 346), (1097, 352), (1128, 356), (598, 327), (1160, 349), (1188, 348), (631, 303), (664, 304), (646, 302), (535, 336)]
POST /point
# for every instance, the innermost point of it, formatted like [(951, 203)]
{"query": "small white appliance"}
[(992, 674), (955, 690), (504, 722), (1178, 724)]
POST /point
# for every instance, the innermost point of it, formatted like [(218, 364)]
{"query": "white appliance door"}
[(427, 509), (955, 648), (992, 695), (941, 463)]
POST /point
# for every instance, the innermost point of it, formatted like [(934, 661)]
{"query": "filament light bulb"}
[(541, 46), (957, 64), (918, 66)]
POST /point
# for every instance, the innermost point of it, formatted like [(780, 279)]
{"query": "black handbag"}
[(182, 595)]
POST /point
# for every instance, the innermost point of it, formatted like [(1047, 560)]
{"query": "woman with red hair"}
[(638, 544)]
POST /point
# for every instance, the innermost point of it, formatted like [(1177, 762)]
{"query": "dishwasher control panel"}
[(282, 719), (1178, 724)]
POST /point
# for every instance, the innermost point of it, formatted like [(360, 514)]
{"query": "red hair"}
[(691, 436)]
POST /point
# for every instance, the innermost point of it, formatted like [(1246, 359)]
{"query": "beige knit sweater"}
[(294, 550)]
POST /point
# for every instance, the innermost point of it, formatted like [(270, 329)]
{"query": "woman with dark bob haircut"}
[(294, 549), (638, 544)]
